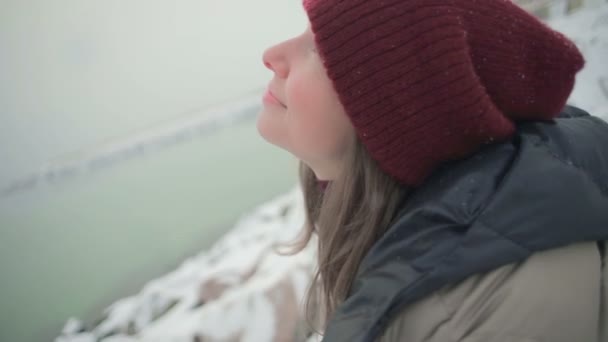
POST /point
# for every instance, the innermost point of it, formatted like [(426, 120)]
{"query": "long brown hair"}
[(348, 216)]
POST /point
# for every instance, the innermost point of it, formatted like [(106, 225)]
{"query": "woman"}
[(454, 194)]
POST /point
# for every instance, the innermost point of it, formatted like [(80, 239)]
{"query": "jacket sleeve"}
[(551, 296)]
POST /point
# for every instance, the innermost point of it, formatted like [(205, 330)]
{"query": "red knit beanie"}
[(427, 81)]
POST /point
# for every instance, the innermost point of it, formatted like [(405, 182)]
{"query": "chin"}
[(265, 133)]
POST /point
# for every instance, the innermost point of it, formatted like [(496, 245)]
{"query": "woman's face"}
[(309, 122)]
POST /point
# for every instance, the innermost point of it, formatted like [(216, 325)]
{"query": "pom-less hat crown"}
[(427, 81)]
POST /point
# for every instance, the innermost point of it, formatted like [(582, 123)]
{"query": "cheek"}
[(303, 93), (317, 123), (311, 96)]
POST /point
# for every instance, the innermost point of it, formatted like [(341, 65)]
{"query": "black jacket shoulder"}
[(544, 188)]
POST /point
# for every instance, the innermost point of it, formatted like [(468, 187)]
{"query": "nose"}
[(274, 59)]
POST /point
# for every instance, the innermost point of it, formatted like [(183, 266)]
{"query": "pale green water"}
[(72, 248)]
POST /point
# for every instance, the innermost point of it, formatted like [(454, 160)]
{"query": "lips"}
[(270, 94)]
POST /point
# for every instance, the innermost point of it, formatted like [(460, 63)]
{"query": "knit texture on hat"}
[(427, 81)]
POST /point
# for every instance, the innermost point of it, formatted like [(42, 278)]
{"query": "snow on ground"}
[(241, 290)]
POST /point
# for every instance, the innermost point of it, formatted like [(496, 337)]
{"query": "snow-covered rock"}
[(239, 290), (588, 29)]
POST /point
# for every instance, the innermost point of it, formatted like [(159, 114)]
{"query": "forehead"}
[(308, 34), (308, 31)]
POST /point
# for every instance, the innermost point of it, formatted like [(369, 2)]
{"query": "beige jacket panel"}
[(555, 295)]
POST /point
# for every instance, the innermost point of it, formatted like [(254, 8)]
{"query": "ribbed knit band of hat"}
[(429, 81)]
